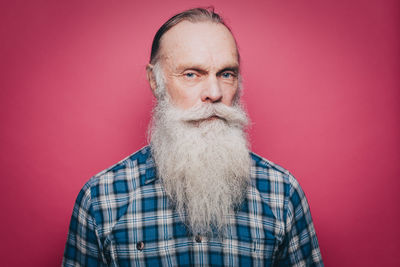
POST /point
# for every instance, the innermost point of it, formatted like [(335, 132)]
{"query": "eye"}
[(227, 75), (190, 75)]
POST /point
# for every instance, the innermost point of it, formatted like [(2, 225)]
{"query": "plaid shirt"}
[(122, 217)]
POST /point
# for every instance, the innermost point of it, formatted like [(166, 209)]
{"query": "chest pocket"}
[(142, 235), (144, 247), (243, 249)]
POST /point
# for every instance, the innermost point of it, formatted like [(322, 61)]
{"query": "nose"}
[(212, 91)]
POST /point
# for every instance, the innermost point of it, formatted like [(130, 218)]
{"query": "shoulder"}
[(126, 174), (107, 193), (264, 170), (274, 184)]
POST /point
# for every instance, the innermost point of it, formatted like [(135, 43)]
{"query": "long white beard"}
[(203, 166)]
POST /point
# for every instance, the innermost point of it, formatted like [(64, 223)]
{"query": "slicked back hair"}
[(192, 15)]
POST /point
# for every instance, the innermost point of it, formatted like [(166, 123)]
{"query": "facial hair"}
[(203, 164)]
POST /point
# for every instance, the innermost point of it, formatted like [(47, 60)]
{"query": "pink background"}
[(321, 86)]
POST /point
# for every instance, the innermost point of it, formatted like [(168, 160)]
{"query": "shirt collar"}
[(151, 170)]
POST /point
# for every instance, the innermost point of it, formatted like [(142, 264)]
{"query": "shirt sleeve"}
[(83, 246), (300, 247)]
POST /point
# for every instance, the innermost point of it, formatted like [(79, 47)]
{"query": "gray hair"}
[(192, 15), (160, 91)]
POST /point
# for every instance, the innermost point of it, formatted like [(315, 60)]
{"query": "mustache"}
[(232, 115)]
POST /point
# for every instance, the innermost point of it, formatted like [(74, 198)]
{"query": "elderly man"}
[(196, 196)]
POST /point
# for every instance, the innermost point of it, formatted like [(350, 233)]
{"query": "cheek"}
[(183, 97), (228, 96), (187, 101)]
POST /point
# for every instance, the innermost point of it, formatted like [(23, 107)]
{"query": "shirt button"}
[(140, 245), (198, 238)]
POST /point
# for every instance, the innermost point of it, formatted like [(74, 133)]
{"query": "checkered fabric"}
[(122, 217)]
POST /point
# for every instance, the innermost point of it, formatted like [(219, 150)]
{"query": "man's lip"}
[(211, 118)]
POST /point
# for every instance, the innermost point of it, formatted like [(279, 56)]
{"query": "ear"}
[(151, 78)]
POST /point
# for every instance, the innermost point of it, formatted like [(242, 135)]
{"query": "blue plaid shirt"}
[(122, 217)]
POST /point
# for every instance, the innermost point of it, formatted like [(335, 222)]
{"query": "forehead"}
[(200, 43)]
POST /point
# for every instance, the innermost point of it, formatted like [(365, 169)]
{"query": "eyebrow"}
[(201, 68), (234, 69)]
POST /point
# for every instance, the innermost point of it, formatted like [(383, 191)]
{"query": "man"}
[(196, 196)]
